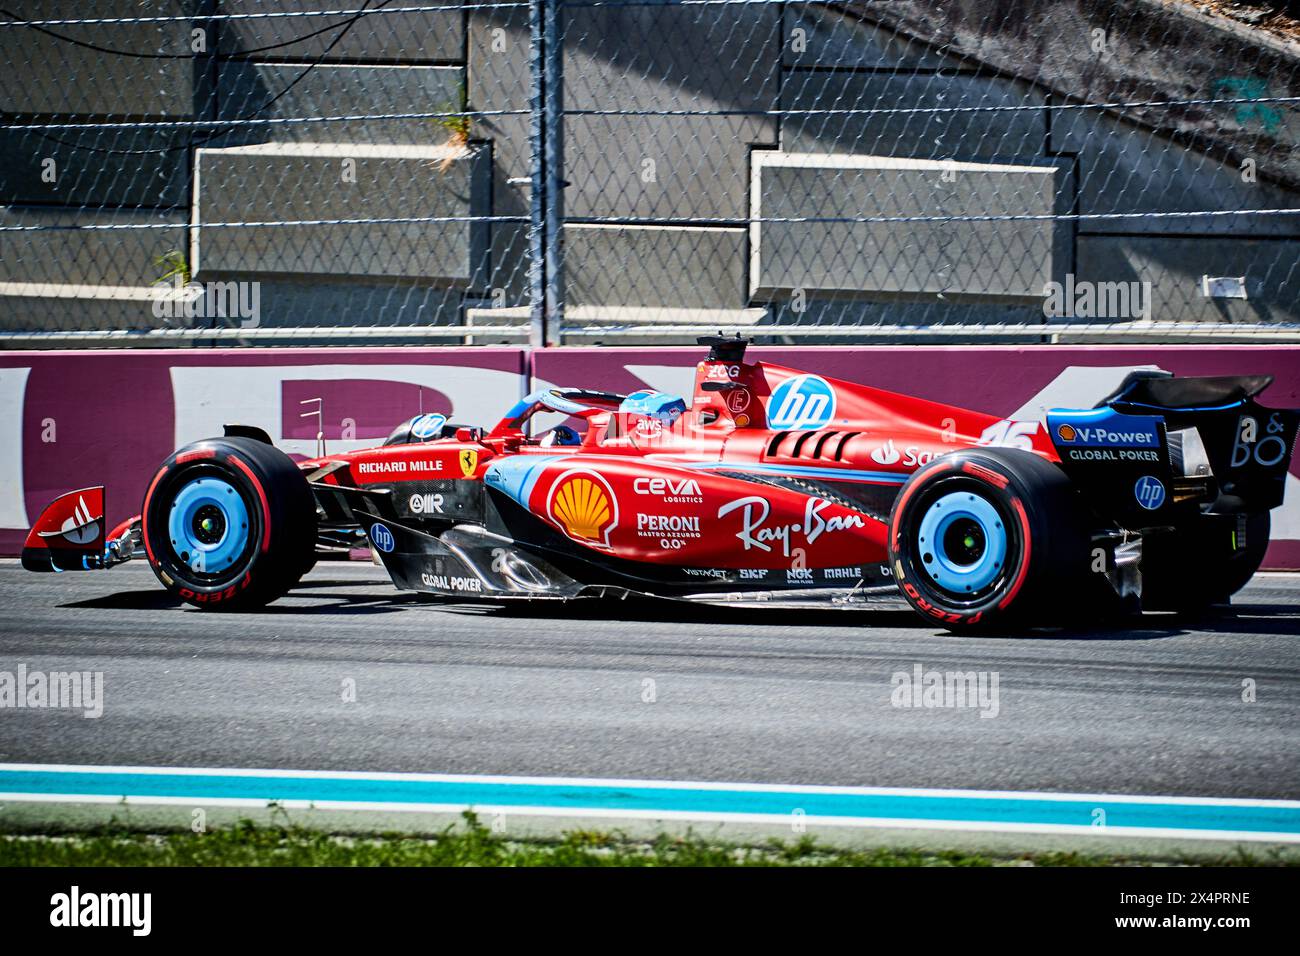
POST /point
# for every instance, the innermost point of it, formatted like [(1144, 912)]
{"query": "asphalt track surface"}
[(761, 696)]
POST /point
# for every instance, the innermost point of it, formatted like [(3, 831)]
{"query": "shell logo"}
[(1067, 433), (583, 504)]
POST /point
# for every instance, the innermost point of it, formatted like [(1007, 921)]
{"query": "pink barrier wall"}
[(73, 419), (109, 417)]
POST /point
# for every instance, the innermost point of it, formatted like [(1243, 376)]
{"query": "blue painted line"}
[(576, 796), (835, 474), (1166, 409)]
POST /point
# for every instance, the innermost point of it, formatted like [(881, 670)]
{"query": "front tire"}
[(982, 538), (229, 524)]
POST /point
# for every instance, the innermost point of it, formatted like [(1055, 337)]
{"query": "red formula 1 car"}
[(770, 484)]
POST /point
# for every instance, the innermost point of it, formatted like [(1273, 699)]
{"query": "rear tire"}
[(985, 538), (229, 524), (1191, 569)]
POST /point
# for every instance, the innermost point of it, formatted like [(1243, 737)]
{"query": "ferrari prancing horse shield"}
[(468, 462)]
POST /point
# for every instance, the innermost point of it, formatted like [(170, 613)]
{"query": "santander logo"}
[(886, 454)]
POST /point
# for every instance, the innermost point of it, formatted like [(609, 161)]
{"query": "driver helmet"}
[(561, 435)]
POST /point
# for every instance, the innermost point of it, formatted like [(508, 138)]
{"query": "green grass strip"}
[(473, 844)]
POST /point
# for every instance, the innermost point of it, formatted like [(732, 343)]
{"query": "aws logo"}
[(583, 504), (801, 403)]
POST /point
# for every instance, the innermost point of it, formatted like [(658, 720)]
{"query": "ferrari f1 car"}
[(771, 484)]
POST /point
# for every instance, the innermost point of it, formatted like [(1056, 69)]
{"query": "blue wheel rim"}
[(208, 525), (981, 551)]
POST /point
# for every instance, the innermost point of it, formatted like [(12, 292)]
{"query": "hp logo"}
[(1150, 493), (801, 403), (382, 538)]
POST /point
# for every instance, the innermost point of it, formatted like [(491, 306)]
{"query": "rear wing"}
[(1247, 446), (1159, 449)]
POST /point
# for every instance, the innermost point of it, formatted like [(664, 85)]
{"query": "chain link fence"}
[(589, 171)]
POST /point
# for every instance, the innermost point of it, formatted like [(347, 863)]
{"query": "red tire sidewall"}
[(242, 472), (1002, 488)]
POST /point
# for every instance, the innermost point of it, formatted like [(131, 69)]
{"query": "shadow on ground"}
[(1262, 618)]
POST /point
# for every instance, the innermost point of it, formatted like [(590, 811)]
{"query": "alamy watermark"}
[(54, 690), (1082, 299), (183, 303), (946, 689), (73, 909)]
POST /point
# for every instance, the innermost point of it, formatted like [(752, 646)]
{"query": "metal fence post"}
[(553, 161), (537, 193), (204, 95), (546, 206)]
